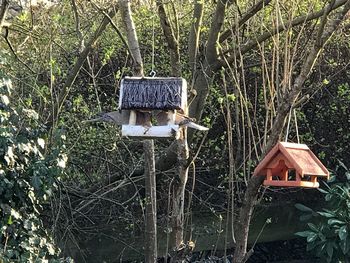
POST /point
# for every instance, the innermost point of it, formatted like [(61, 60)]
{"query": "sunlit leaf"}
[(343, 232)]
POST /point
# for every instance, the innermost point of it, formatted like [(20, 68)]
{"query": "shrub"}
[(329, 236), (28, 174)]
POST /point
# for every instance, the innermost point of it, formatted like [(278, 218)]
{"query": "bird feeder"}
[(146, 98), (291, 165)]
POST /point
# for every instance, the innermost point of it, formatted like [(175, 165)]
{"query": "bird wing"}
[(116, 117), (186, 121)]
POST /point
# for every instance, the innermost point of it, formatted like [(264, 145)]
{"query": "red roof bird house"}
[(291, 165)]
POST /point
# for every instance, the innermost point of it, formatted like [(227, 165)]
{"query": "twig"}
[(14, 52), (77, 26), (3, 12), (114, 27)]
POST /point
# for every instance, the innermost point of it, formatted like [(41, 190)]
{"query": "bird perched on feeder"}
[(144, 119), (163, 118), (116, 117), (122, 118)]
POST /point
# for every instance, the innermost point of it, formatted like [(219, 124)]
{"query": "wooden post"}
[(148, 145), (151, 203)]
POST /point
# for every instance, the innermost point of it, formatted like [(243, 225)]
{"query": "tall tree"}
[(171, 35), (148, 145)]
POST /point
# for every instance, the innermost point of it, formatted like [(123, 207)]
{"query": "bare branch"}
[(323, 35), (250, 13), (115, 28), (297, 21), (79, 63), (193, 40), (77, 25), (171, 38), (212, 53), (14, 52), (129, 25), (3, 11)]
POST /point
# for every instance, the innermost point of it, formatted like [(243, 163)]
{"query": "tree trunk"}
[(177, 217), (178, 193)]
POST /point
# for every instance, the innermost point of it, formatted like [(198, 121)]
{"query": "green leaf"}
[(343, 233), (303, 208), (347, 174), (344, 245), (305, 233), (313, 227), (322, 190), (330, 249), (36, 182), (311, 246), (325, 82), (335, 221), (231, 97), (311, 238), (9, 221), (326, 214)]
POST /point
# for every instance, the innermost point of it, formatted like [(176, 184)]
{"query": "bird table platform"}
[(291, 165), (145, 98)]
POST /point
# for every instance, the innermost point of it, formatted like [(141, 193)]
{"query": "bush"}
[(329, 238), (27, 179)]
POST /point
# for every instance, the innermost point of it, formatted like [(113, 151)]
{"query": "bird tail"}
[(196, 126), (92, 120)]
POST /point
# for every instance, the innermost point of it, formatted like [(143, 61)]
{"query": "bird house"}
[(291, 165), (153, 104)]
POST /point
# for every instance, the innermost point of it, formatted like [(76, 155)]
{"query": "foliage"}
[(46, 44), (329, 238), (27, 180)]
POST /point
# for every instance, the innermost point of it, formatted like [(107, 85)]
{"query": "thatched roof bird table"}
[(158, 106)]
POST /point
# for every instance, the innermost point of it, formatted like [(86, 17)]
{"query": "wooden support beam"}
[(171, 117), (284, 174), (269, 175), (132, 118), (167, 131)]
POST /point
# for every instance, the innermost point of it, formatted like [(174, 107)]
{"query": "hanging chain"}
[(296, 125), (287, 132), (153, 72), (295, 122)]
